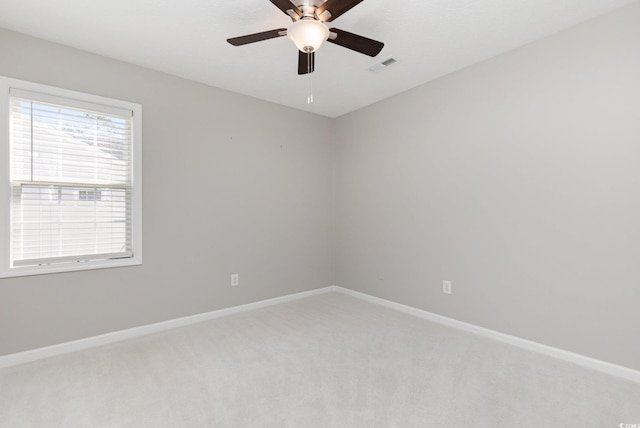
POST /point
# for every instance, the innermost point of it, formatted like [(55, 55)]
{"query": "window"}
[(71, 196), (90, 195)]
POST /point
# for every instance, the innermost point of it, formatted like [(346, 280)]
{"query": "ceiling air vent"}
[(382, 65)]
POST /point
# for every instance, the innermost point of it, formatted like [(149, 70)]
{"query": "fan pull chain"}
[(309, 81), (309, 90)]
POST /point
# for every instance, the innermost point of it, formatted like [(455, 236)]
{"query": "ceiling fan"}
[(309, 31)]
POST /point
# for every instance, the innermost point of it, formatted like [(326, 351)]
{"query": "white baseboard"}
[(581, 360), (105, 339), (117, 336)]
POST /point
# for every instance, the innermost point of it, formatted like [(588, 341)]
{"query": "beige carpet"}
[(324, 361)]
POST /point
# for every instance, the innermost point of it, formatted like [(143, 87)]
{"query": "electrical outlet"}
[(446, 287), (235, 279)]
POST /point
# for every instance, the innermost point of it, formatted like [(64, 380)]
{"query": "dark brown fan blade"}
[(285, 5), (336, 8), (306, 62), (355, 42), (257, 37)]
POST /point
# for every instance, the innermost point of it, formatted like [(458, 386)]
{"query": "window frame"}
[(60, 94)]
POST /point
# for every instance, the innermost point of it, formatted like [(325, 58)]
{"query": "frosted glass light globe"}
[(308, 34)]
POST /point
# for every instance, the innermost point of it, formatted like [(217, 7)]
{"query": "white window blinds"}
[(71, 180)]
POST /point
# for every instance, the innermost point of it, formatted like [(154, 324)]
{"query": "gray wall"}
[(519, 180), (230, 185)]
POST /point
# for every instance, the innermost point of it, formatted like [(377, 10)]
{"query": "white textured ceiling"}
[(187, 38)]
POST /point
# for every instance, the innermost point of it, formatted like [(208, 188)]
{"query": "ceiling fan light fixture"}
[(308, 34)]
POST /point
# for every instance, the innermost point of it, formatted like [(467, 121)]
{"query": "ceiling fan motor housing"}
[(309, 10)]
